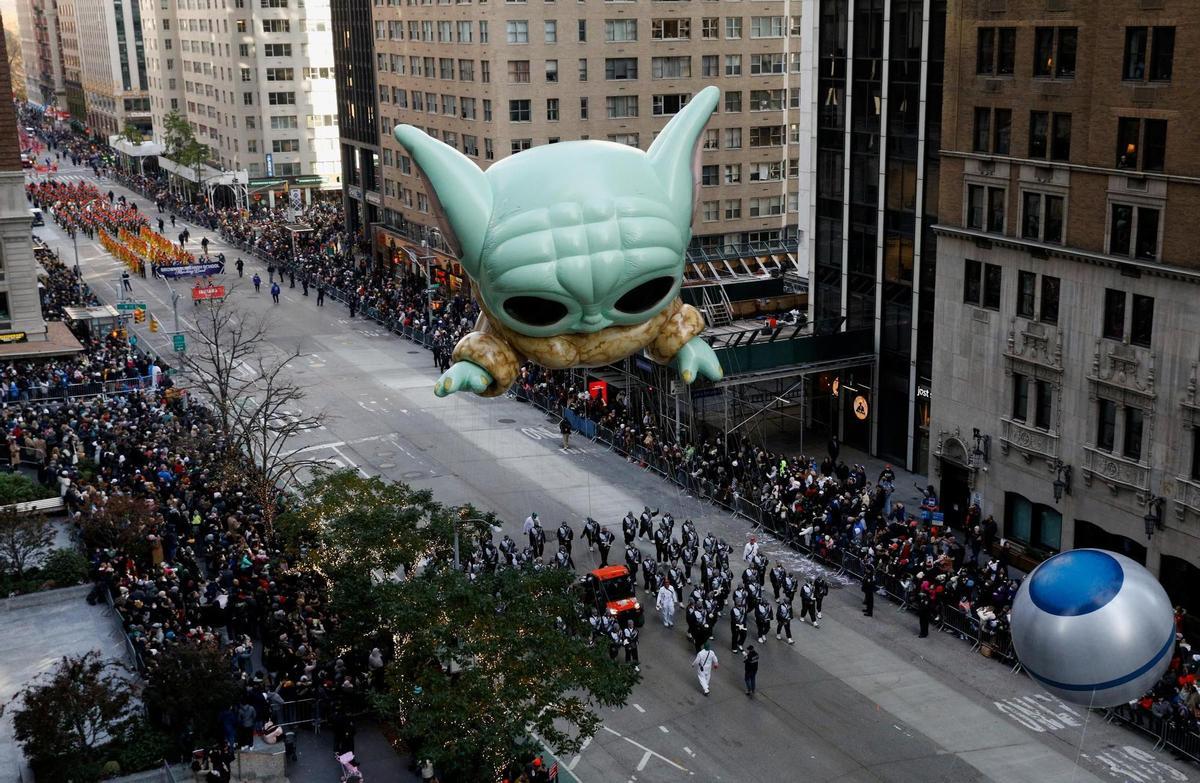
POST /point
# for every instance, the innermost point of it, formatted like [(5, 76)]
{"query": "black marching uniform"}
[(591, 530), (737, 627), (783, 617), (629, 527), (762, 619), (537, 540), (604, 541), (565, 536)]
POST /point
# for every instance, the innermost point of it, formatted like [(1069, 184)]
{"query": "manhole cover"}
[(386, 465), (414, 351), (507, 421), (413, 474)]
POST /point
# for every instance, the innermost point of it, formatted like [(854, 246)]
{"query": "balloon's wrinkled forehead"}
[(592, 227), (573, 171)]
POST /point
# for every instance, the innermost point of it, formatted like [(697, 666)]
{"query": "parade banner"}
[(202, 292), (192, 270)]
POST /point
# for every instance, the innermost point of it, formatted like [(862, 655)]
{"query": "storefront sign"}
[(598, 389), (355, 192), (861, 409), (12, 337), (923, 392), (374, 198)]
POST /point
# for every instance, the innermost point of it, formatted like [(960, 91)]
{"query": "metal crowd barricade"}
[(301, 712), (1183, 741), (130, 649), (964, 625), (891, 585), (852, 565)]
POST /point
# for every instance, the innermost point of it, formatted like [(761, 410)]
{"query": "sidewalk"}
[(906, 484), (316, 763)]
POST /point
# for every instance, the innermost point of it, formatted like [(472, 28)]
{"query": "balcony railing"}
[(1116, 472), (1187, 497), (1031, 442)]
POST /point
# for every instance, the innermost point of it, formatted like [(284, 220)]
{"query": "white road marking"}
[(689, 751), (645, 760), (579, 755), (639, 708), (1040, 712), (640, 746), (319, 446), (351, 462), (664, 729), (1129, 763)]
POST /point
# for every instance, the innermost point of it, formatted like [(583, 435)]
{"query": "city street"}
[(858, 699)]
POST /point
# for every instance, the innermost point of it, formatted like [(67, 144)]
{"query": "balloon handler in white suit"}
[(704, 663), (666, 604)]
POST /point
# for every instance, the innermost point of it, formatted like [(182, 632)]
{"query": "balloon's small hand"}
[(463, 376), (697, 357)]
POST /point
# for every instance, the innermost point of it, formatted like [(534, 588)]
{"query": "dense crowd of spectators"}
[(60, 286), (183, 555)]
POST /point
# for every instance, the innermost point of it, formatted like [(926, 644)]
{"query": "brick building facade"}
[(1067, 337)]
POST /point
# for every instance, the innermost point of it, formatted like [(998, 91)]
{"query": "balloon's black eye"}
[(534, 310), (645, 296)]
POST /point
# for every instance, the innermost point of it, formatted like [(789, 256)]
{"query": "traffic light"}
[(139, 316), (153, 324)]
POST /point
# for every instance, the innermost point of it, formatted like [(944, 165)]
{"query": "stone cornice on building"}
[(984, 239)]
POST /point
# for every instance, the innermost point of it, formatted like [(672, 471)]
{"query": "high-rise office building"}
[(495, 78), (1067, 337), (358, 118), (872, 249), (72, 64), (112, 62), (255, 80), (41, 52)]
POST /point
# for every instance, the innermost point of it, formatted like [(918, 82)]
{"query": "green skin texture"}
[(579, 223)]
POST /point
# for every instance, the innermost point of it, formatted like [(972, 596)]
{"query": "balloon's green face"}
[(573, 237)]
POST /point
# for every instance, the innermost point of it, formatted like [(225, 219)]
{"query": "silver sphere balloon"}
[(1093, 627)]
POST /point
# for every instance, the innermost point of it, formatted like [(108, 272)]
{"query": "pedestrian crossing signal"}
[(139, 316), (154, 324)]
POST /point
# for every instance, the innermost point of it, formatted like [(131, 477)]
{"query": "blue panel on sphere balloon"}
[(1076, 583)]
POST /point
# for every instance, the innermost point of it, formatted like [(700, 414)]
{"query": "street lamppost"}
[(1154, 515), (78, 274), (1062, 479), (983, 447), (427, 260)]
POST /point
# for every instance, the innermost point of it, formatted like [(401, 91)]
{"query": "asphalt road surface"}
[(859, 699)]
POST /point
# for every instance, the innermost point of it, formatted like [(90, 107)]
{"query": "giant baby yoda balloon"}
[(576, 250)]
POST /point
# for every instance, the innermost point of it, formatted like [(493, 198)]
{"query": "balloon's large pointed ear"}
[(675, 154), (461, 194)]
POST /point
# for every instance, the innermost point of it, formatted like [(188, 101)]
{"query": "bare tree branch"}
[(259, 408)]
